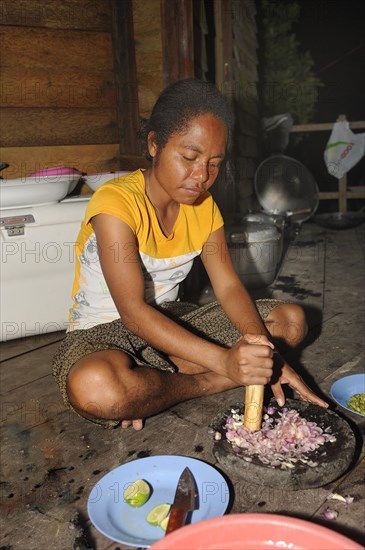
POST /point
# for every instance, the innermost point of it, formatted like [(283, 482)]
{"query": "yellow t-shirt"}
[(165, 261)]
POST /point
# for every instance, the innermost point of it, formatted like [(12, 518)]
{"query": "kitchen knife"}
[(184, 501)]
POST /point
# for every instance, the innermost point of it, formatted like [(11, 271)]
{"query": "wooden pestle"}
[(254, 400)]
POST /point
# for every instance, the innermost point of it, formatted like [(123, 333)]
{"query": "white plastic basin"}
[(96, 180), (35, 191)]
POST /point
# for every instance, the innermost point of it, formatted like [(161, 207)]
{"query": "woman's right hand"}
[(250, 360)]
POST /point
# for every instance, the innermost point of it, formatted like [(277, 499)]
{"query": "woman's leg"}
[(287, 325), (104, 385)]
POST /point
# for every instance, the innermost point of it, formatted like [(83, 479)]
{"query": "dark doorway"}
[(204, 40)]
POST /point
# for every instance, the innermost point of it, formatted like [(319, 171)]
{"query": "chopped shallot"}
[(336, 496), (330, 514), (281, 442)]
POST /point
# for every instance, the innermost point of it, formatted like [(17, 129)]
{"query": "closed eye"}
[(211, 164)]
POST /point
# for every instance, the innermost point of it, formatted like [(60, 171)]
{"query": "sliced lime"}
[(137, 493), (158, 514), (165, 522)]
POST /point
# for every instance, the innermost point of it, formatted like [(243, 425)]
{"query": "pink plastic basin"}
[(255, 532), (57, 171)]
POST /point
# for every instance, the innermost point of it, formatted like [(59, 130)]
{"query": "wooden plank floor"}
[(51, 458)]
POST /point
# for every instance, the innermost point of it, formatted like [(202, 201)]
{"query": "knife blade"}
[(184, 501)]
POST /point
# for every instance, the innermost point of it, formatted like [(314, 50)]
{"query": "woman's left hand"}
[(289, 376)]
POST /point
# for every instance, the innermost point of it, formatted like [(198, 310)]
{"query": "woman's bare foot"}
[(137, 424)]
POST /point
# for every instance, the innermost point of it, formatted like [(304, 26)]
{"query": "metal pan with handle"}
[(284, 186)]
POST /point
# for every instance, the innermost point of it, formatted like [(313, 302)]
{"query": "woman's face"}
[(189, 163)]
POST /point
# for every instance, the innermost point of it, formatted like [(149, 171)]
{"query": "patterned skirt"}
[(208, 321)]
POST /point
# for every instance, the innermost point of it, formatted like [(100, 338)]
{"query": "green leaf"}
[(288, 83)]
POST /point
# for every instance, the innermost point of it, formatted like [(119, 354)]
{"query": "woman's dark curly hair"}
[(178, 104)]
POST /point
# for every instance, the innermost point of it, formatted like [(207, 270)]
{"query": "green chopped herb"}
[(357, 403)]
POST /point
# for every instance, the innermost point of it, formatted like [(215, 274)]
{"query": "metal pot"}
[(265, 218), (255, 249), (284, 186)]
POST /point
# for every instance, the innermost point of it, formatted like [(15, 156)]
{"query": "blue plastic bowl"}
[(344, 388)]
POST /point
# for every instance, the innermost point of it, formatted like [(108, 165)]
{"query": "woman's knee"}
[(95, 387), (288, 321)]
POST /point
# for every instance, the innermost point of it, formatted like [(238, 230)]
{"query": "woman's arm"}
[(120, 262), (228, 288), (242, 312)]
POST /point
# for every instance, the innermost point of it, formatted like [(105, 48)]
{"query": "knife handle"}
[(176, 519)]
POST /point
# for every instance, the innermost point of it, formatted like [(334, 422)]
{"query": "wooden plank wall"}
[(57, 86), (148, 47), (58, 95), (58, 92), (245, 95)]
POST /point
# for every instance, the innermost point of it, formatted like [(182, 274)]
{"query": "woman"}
[(132, 349)]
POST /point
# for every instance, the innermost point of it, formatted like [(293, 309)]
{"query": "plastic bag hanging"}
[(343, 150)]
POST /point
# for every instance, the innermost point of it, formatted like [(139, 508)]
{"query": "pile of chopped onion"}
[(284, 439)]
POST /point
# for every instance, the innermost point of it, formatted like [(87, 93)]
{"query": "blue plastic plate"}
[(346, 387), (120, 522)]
